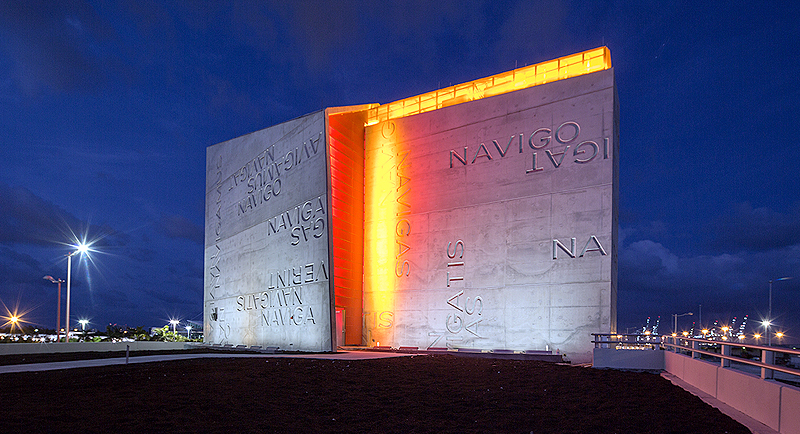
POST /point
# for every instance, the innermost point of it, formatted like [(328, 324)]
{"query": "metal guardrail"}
[(627, 341), (722, 350)]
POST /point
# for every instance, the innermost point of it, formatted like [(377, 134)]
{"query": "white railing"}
[(723, 350), (726, 351), (627, 341)]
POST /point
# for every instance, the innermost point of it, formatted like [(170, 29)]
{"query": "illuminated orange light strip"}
[(594, 60)]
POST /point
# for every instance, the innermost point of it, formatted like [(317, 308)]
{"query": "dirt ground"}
[(420, 394)]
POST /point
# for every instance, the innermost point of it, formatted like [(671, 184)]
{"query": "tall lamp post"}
[(58, 315), (81, 248), (676, 316), (768, 322)]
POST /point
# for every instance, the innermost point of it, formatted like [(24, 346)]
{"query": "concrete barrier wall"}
[(75, 347), (790, 410), (772, 403), (674, 365), (628, 359), (700, 374), (738, 389)]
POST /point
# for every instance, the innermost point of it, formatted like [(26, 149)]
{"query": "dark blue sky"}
[(106, 111)]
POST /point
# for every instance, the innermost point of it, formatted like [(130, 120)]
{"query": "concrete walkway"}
[(341, 355), (753, 425)]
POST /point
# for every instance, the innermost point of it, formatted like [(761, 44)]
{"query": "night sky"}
[(106, 110)]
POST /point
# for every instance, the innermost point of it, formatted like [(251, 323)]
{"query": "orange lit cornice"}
[(573, 65)]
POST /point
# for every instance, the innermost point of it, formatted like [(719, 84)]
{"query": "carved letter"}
[(577, 151), (544, 140), (458, 157), (599, 247), (557, 244), (573, 125), (534, 168), (485, 153), (553, 160), (500, 150), (455, 249)]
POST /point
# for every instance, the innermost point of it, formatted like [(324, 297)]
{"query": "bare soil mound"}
[(420, 394)]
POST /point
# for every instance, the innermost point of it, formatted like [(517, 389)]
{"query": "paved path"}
[(341, 355), (753, 425)]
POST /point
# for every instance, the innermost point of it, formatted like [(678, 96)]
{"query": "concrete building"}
[(478, 216)]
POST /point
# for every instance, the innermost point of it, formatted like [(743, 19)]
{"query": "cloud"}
[(18, 267), (177, 226), (757, 229), (28, 219), (655, 281)]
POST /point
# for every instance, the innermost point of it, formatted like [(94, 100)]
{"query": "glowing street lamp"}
[(14, 320), (188, 330), (174, 323), (58, 315), (756, 336), (83, 323), (704, 332), (81, 248), (769, 315), (766, 323)]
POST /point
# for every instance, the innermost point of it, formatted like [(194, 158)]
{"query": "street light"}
[(81, 248), (83, 323), (769, 315), (174, 323), (676, 316), (188, 330), (14, 321), (58, 315)]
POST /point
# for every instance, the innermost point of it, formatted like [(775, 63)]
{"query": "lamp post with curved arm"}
[(58, 314), (676, 316)]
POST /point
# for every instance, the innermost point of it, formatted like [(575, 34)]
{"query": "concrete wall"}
[(463, 205), (267, 262), (772, 403), (628, 359), (77, 347)]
